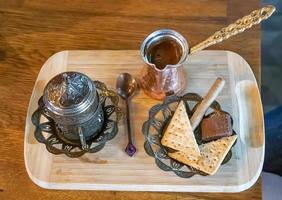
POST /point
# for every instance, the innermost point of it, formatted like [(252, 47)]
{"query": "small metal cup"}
[(71, 100), (159, 83)]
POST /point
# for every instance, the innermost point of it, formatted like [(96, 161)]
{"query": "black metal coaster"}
[(46, 132), (153, 128)]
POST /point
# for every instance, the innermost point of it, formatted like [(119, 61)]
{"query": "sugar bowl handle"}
[(82, 139), (237, 27)]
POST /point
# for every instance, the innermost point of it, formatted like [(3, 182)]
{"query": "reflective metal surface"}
[(71, 100), (235, 28), (47, 132), (159, 83), (126, 86), (69, 93), (163, 35)]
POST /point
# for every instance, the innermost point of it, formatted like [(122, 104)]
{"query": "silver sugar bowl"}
[(72, 101)]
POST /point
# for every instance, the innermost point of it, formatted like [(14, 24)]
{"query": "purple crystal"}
[(130, 149)]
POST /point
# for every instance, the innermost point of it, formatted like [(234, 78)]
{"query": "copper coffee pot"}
[(164, 52)]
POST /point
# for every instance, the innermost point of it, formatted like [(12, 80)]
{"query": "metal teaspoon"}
[(126, 85)]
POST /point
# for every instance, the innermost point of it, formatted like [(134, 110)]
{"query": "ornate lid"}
[(69, 93)]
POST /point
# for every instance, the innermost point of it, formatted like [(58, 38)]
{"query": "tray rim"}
[(147, 187)]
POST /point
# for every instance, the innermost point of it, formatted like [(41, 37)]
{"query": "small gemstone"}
[(130, 149)]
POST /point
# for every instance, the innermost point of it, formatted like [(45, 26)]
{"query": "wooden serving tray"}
[(111, 168)]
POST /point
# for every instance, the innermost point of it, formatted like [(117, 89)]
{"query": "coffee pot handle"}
[(235, 28)]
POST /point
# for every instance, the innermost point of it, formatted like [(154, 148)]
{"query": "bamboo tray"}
[(111, 168)]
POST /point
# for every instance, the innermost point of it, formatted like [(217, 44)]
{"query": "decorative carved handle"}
[(238, 27)]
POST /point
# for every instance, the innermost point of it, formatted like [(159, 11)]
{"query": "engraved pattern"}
[(152, 143), (235, 28), (69, 91), (57, 144)]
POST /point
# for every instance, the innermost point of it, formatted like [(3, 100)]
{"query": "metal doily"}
[(153, 128), (47, 133)]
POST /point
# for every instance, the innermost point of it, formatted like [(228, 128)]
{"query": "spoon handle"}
[(128, 121), (237, 27), (130, 148)]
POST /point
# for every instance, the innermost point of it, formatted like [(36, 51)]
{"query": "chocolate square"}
[(216, 126)]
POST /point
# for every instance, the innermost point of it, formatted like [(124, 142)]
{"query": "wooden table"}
[(31, 31)]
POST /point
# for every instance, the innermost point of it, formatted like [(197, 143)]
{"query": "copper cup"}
[(170, 79)]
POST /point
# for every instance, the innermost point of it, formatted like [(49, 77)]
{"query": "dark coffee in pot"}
[(164, 52)]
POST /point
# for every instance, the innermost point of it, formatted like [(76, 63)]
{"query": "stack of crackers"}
[(180, 137)]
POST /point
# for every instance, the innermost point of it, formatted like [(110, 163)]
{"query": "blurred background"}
[(271, 91)]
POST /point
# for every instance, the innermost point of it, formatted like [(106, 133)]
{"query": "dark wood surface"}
[(31, 31)]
